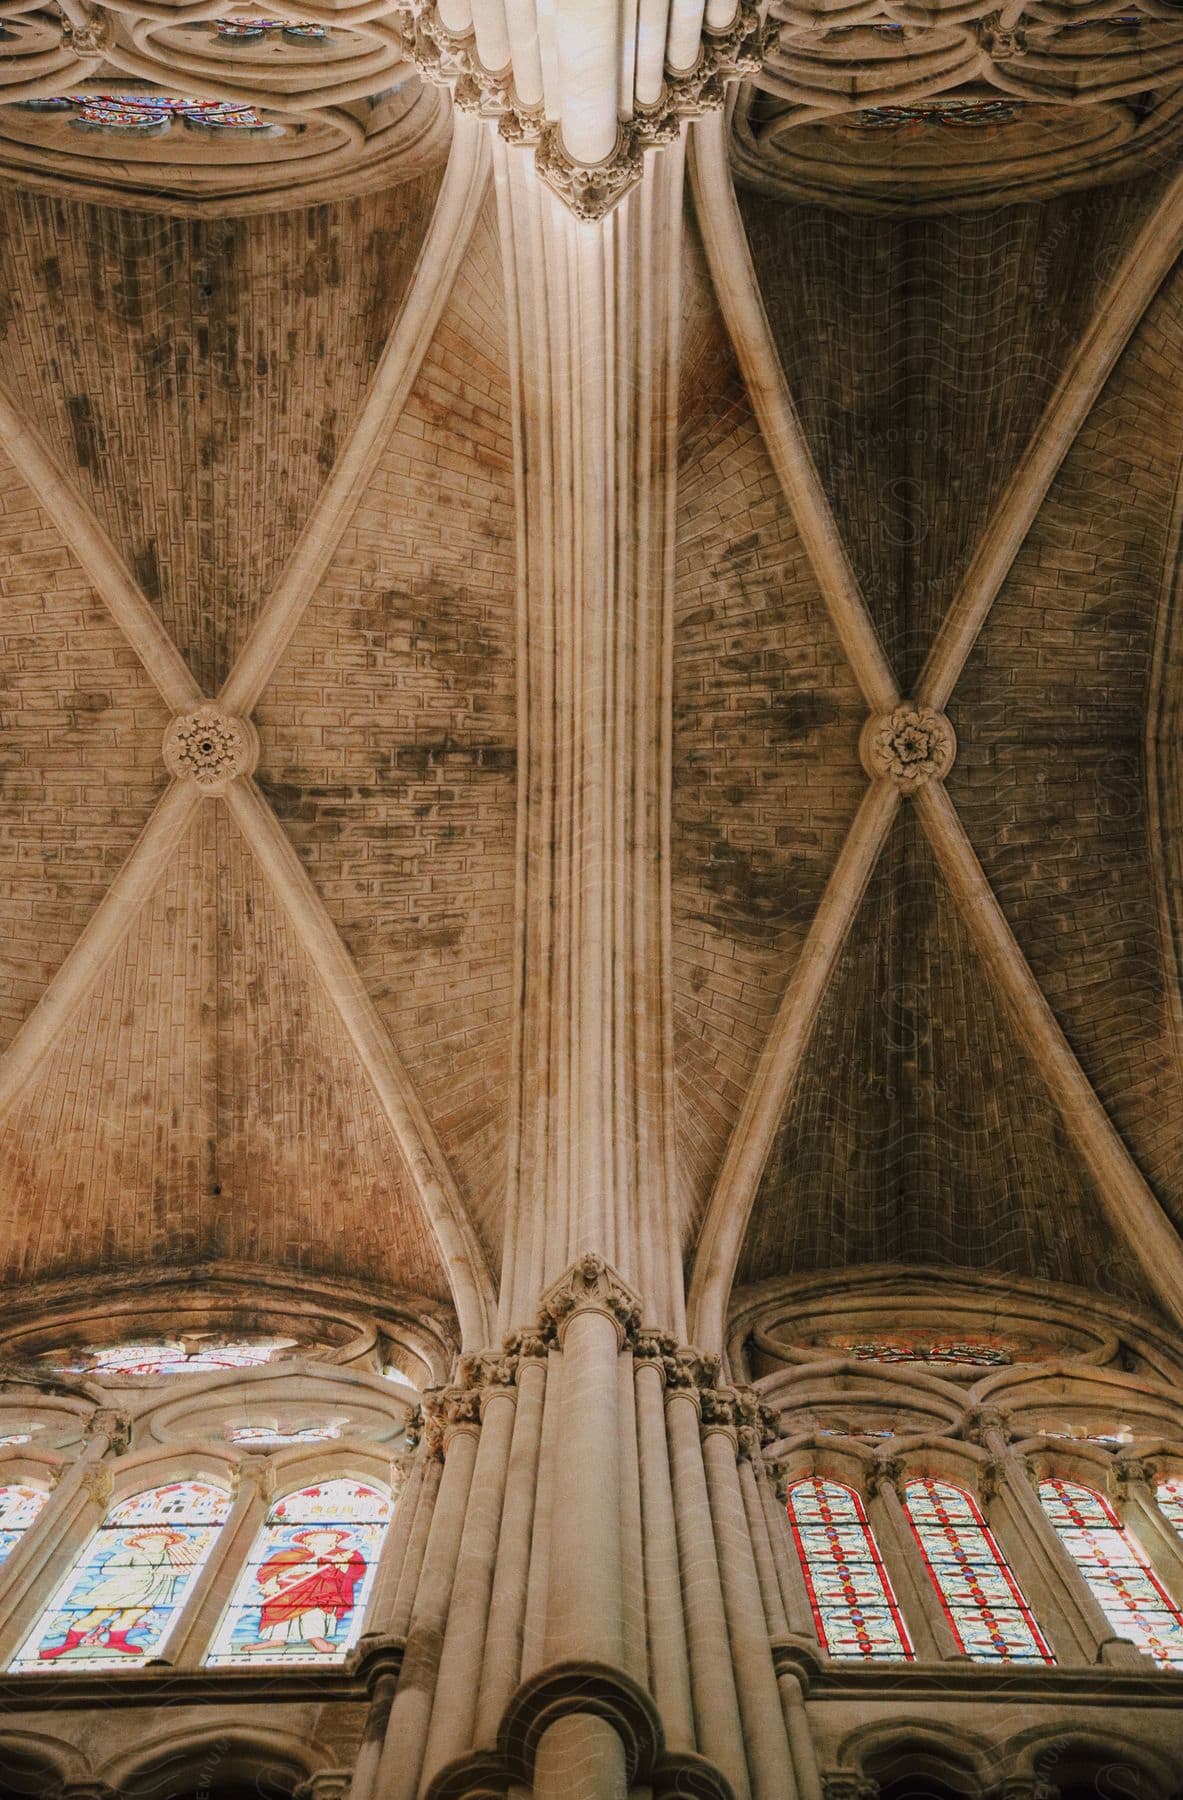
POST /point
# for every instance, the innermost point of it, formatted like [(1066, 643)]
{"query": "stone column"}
[(769, 1764), (453, 1423), (507, 1607), (713, 1687), (669, 1660), (253, 1491), (932, 1635), (458, 1679)]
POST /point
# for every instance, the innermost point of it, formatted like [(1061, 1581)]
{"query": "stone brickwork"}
[(198, 380), (389, 732)]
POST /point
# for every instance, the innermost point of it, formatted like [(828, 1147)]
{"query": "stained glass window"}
[(1169, 1495), (302, 1595), (170, 1357), (981, 1598), (15, 1437), (944, 1350), (245, 31), (854, 1609), (120, 1602), (19, 1506), (151, 115), (1117, 1570)]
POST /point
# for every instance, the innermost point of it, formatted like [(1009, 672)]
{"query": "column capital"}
[(886, 1472), (257, 1472), (449, 1412), (590, 1286), (113, 1424), (847, 1784), (982, 1423)]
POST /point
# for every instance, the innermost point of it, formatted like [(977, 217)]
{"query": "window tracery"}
[(151, 115), (1116, 1569), (20, 1506), (979, 1594), (302, 1595), (854, 1607), (168, 1357), (122, 1598)]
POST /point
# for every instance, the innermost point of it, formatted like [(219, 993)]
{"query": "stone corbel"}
[(1131, 1472), (591, 190), (985, 1425), (590, 1286), (113, 1424), (259, 1471), (886, 1472)]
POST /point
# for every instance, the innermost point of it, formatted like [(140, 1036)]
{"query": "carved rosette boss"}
[(910, 745), (210, 747)]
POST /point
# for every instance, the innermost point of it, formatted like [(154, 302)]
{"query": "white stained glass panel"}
[(302, 1596), (171, 1358), (19, 1506), (120, 1602), (1117, 1570), (854, 1609)]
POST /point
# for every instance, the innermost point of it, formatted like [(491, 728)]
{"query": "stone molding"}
[(210, 748), (572, 1688), (98, 1483), (910, 746), (847, 1784), (256, 1471)]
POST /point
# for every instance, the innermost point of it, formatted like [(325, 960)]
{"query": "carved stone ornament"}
[(91, 39), (447, 1411), (1132, 1471), (99, 1484), (259, 1471), (886, 1472), (109, 1422), (909, 745), (590, 1286), (326, 1784), (210, 747), (590, 189), (980, 1423)]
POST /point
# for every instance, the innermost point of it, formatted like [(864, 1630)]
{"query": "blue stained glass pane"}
[(302, 1596), (19, 1506), (1116, 1569), (854, 1609), (120, 1602)]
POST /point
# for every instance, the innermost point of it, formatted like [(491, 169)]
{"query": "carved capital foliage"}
[(111, 1423), (91, 39), (210, 747), (447, 1411), (590, 189), (259, 1472), (910, 745), (590, 1286), (980, 1423), (886, 1472), (98, 1483), (1130, 1472)]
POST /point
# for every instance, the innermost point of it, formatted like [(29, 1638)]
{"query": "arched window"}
[(302, 1595), (119, 1603), (854, 1608), (1117, 1570), (981, 1598), (19, 1506), (1169, 1495)]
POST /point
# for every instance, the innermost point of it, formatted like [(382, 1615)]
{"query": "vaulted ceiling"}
[(223, 1089)]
